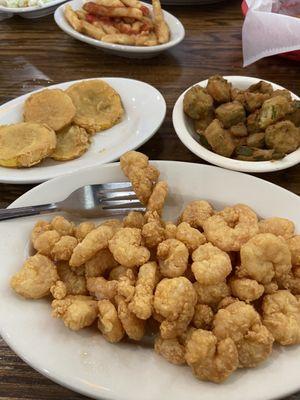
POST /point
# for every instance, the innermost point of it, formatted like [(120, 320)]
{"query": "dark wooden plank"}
[(35, 53)]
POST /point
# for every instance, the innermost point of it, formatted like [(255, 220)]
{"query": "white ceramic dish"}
[(145, 110), (84, 361), (184, 128), (31, 12), (176, 28), (189, 2)]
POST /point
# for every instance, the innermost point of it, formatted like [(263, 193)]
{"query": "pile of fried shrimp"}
[(126, 22), (219, 288), (59, 124), (255, 124)]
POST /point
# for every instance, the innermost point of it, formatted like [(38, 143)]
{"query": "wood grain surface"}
[(36, 53)]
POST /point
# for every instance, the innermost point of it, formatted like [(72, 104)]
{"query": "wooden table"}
[(37, 53)]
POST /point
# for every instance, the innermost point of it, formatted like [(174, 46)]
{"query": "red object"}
[(292, 55)]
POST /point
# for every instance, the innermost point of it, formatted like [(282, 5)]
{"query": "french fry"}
[(132, 3), (146, 40), (129, 29), (109, 3), (81, 14), (161, 28), (91, 30), (114, 12), (120, 38), (72, 18)]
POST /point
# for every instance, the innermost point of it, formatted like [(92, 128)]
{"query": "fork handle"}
[(9, 213)]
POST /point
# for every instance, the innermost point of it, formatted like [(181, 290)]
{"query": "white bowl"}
[(145, 110), (184, 128), (84, 361), (176, 28), (31, 12)]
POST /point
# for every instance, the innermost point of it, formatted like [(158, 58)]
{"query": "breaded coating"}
[(230, 228), (211, 265), (158, 197), (281, 315), (62, 226), (109, 323), (273, 110), (58, 290), (226, 301), (100, 263), (45, 242), (172, 258), (283, 137), (98, 106), (118, 272), (212, 294), (210, 358), (142, 303), (246, 289), (72, 141), (197, 102), (174, 300), (63, 249), (191, 237), (240, 322), (77, 312), (83, 229), (35, 278), (294, 247), (134, 220), (230, 114), (196, 213), (203, 316), (218, 139), (52, 107), (101, 288), (126, 247), (94, 241), (153, 233), (75, 284), (264, 257), (170, 349), (133, 159), (40, 226), (170, 230), (219, 89), (114, 224), (133, 326)]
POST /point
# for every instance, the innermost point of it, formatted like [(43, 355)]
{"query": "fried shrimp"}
[(72, 142), (100, 263), (170, 349), (25, 144), (158, 197), (230, 228), (240, 322), (62, 226), (75, 284), (172, 258), (281, 315), (133, 326), (203, 316), (211, 265), (264, 257), (98, 105), (109, 323), (210, 358), (196, 213), (35, 278), (211, 294), (246, 289), (52, 107), (294, 246), (189, 236), (127, 249), (63, 248), (101, 288), (175, 301), (278, 226)]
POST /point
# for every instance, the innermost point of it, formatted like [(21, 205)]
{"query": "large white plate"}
[(176, 29), (145, 110), (185, 131), (31, 12), (86, 363)]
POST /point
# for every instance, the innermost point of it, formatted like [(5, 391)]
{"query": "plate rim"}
[(179, 125), (24, 10), (168, 163), (64, 26), (57, 85)]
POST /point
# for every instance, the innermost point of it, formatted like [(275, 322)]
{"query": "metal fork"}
[(104, 200)]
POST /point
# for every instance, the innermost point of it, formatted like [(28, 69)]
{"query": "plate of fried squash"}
[(129, 28), (199, 294), (241, 123), (73, 125)]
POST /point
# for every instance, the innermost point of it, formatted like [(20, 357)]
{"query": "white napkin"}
[(265, 32)]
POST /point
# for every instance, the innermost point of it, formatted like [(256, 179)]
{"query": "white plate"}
[(145, 110), (176, 29), (31, 12), (184, 128), (83, 361), (189, 2)]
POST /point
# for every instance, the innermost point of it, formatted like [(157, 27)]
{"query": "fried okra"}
[(219, 89), (283, 137), (219, 139), (230, 114), (197, 103)]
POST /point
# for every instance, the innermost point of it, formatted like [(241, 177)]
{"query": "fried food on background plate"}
[(98, 105), (25, 144), (50, 106), (72, 142)]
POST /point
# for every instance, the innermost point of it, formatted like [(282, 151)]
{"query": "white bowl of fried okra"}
[(240, 123)]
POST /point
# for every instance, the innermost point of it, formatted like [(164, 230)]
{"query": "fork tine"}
[(112, 186), (122, 211), (117, 195), (108, 204)]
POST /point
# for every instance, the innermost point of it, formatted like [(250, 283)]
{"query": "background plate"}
[(83, 360)]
